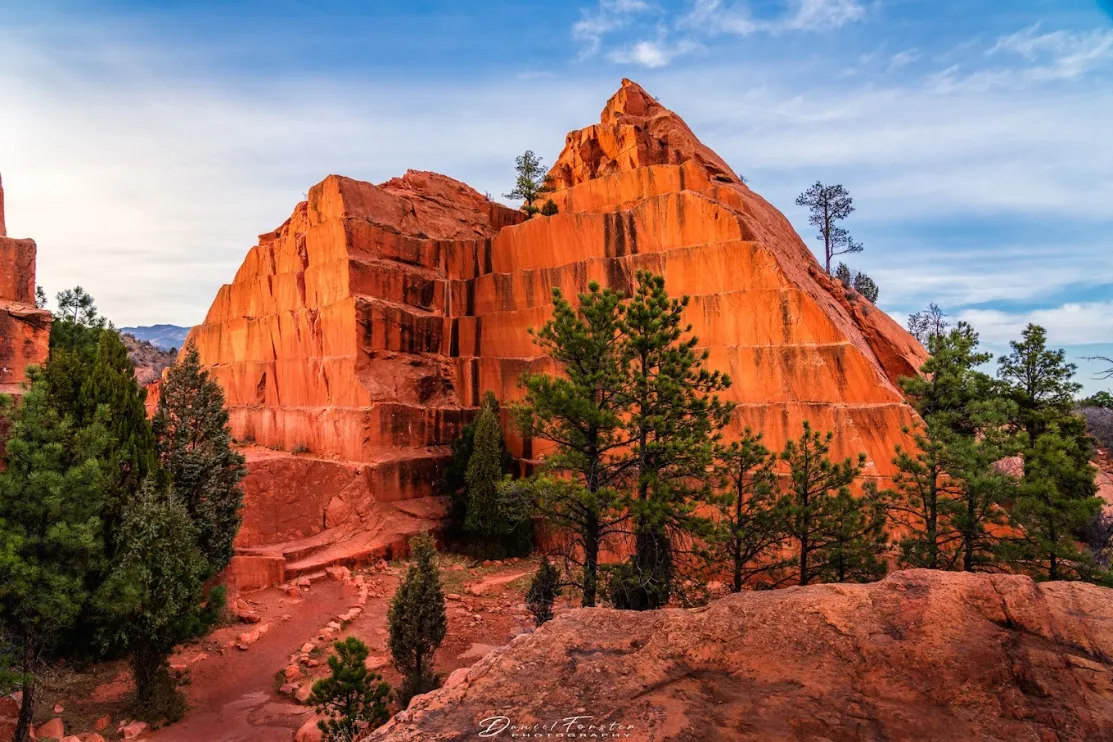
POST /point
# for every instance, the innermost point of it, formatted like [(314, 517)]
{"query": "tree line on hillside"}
[(994, 475), (110, 523)]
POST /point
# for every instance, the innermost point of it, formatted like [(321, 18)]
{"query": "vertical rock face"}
[(367, 327), (24, 329)]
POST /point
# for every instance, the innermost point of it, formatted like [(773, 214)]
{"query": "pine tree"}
[(194, 447), (828, 205), (1056, 501), (550, 208), (543, 591), (51, 496), (77, 324), (109, 388), (751, 526), (454, 483), (154, 596), (1040, 382), (417, 621), (674, 421), (493, 520), (353, 697), (581, 414), (532, 182), (924, 498), (812, 503), (858, 540), (866, 286), (1057, 494), (949, 489)]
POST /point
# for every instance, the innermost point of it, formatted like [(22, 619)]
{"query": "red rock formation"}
[(366, 328), (922, 655), (24, 329)]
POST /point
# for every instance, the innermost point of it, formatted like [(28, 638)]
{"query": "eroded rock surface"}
[(24, 329), (921, 655), (365, 330)]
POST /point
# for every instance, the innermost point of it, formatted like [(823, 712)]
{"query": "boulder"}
[(309, 732), (921, 655), (53, 729)]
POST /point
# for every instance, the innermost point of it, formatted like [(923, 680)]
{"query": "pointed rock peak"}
[(630, 100), (634, 131)]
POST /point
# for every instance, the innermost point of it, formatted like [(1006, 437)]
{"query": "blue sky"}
[(144, 145)]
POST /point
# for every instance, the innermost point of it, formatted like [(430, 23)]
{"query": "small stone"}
[(134, 729), (53, 729)]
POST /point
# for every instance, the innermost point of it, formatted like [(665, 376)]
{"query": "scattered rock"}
[(134, 729), (309, 732), (53, 729), (292, 672)]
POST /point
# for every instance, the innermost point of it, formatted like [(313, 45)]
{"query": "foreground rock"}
[(919, 656)]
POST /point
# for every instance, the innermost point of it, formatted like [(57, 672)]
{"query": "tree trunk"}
[(27, 706), (738, 539), (591, 563)]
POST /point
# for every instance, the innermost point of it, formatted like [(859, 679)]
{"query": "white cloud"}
[(1054, 56), (823, 15), (606, 17), (903, 59), (1069, 324), (715, 16), (652, 54)]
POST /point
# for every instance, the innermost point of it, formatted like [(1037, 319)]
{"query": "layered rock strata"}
[(24, 329), (365, 329)]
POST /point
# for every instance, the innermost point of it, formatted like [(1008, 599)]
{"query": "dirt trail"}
[(233, 696)]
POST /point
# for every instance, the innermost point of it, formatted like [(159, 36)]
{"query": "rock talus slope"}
[(366, 328), (921, 655), (24, 329)]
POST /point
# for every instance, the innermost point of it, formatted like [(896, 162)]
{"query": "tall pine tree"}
[(194, 448), (751, 525), (814, 501), (1057, 495), (52, 492), (580, 415), (949, 489), (673, 427), (499, 524)]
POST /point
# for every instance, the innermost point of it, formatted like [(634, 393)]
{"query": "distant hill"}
[(166, 337), (148, 359)]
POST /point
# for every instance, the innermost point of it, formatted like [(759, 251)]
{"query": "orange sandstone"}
[(24, 329), (365, 329)]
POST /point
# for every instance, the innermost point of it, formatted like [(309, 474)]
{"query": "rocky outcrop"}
[(24, 329), (365, 329), (921, 655)]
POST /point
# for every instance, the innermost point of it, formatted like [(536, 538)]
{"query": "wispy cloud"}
[(1069, 324), (653, 53), (716, 16), (604, 18), (1029, 56), (903, 59)]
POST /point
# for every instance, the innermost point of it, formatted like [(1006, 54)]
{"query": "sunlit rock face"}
[(922, 655), (367, 327), (24, 329)]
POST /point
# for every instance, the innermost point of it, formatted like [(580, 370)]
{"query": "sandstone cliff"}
[(921, 655), (366, 328), (24, 329)]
